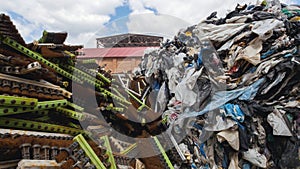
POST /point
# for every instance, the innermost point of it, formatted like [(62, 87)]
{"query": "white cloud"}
[(149, 23), (192, 11), (77, 17), (176, 14), (82, 19), (173, 15), (144, 21), (195, 10), (137, 7)]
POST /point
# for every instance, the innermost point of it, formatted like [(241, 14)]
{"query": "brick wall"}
[(120, 65)]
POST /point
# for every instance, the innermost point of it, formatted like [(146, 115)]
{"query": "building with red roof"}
[(120, 53)]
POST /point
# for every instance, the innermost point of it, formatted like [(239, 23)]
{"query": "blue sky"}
[(121, 17), (120, 12), (84, 21)]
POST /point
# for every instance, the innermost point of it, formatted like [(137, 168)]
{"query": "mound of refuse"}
[(222, 94), (236, 80)]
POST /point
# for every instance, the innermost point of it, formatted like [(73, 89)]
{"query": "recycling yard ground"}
[(223, 93)]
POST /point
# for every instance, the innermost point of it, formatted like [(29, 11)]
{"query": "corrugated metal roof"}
[(129, 34), (111, 52)]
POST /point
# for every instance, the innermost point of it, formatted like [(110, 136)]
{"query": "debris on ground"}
[(234, 82), (222, 94)]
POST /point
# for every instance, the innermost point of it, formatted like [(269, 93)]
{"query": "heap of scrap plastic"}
[(237, 80)]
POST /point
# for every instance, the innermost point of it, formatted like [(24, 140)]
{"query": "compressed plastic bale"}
[(234, 161), (162, 99), (220, 124), (278, 124), (255, 158), (231, 136), (264, 28), (252, 52), (184, 92), (234, 111), (219, 33), (222, 97)]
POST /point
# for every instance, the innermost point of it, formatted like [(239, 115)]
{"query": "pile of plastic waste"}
[(236, 79), (222, 94)]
